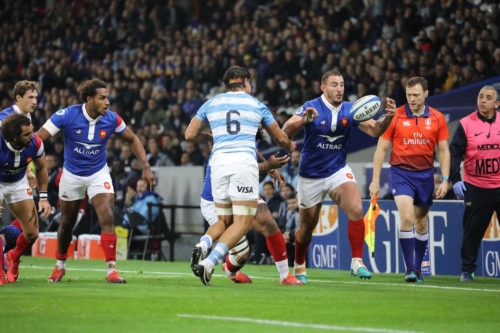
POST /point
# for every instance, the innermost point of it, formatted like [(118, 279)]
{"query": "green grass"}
[(157, 293)]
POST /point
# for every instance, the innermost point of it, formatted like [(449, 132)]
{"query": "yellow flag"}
[(370, 218)]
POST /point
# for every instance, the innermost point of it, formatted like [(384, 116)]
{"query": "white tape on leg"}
[(244, 210)]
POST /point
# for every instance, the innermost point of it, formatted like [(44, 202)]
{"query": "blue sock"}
[(218, 253), (421, 241), (408, 246), (206, 242)]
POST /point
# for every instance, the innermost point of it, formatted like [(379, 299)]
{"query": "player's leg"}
[(102, 196), (236, 259), (216, 229), (26, 213), (3, 280), (265, 224), (311, 193), (344, 191)]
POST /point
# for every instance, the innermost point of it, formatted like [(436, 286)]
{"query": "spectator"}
[(194, 153), (140, 205), (154, 115), (155, 156)]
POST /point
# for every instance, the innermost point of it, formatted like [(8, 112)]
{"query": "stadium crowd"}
[(162, 60)]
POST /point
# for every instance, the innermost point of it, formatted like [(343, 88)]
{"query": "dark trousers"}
[(480, 203)]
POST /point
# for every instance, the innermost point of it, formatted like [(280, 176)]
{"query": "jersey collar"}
[(12, 148), (16, 109), (86, 115), (486, 120), (410, 114), (328, 105)]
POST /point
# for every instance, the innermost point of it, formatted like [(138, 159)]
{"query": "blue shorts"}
[(417, 184)]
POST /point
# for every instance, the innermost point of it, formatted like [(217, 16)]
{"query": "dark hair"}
[(290, 186), (292, 195), (12, 126), (268, 183), (412, 82), (88, 88), (233, 74), (328, 74), (22, 87)]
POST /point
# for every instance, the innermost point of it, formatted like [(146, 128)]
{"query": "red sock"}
[(22, 245), (356, 233), (230, 267), (277, 247), (16, 224), (300, 251), (108, 243), (61, 256)]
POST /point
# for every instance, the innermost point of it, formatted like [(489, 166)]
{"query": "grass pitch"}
[(166, 297)]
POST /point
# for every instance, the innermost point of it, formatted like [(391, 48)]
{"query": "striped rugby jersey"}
[(234, 118)]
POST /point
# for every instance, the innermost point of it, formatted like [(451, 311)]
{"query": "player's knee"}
[(239, 254), (30, 234)]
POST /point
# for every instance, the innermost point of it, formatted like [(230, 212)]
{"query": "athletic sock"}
[(421, 241), (407, 242), (277, 248), (356, 234)]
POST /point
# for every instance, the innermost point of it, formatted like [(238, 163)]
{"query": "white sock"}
[(210, 265), (299, 269), (282, 267), (206, 243), (61, 264), (111, 269)]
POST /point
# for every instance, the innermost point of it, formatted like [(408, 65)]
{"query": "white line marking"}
[(292, 324), (175, 274)]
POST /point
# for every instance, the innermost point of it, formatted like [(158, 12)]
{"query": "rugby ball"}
[(366, 108)]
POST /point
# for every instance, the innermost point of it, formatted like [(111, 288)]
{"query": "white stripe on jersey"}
[(223, 114), (234, 100), (40, 150), (51, 128), (221, 130), (17, 158), (242, 144), (121, 127)]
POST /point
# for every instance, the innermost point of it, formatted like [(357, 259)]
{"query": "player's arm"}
[(280, 137), (458, 146), (378, 161), (376, 128), (274, 162), (140, 153), (42, 178), (195, 133), (299, 120), (444, 162)]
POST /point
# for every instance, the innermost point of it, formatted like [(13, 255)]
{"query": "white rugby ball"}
[(366, 108)]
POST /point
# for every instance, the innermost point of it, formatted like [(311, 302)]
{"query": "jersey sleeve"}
[(38, 146), (120, 125), (56, 122), (267, 116), (443, 133), (300, 111), (202, 112), (389, 132)]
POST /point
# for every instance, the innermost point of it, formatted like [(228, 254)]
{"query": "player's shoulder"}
[(5, 112), (436, 113), (69, 111)]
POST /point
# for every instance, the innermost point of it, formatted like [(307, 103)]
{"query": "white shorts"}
[(235, 177), (73, 187), (210, 213), (312, 191), (15, 192)]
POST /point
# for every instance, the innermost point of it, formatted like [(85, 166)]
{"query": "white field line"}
[(294, 324), (174, 274)]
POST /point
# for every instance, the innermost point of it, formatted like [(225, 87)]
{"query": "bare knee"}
[(30, 235), (264, 223), (421, 226)]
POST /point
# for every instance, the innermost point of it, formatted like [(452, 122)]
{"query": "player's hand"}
[(275, 162), (149, 176), (278, 177), (390, 108), (374, 189), (309, 115), (459, 189), (292, 147), (442, 190), (286, 236), (30, 176), (46, 207)]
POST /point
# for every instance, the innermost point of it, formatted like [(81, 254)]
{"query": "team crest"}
[(428, 123), (102, 134), (78, 132), (349, 175), (344, 122), (29, 159), (299, 111), (61, 112), (323, 123), (107, 186), (30, 192)]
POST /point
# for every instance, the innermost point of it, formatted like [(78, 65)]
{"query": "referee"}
[(476, 142)]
